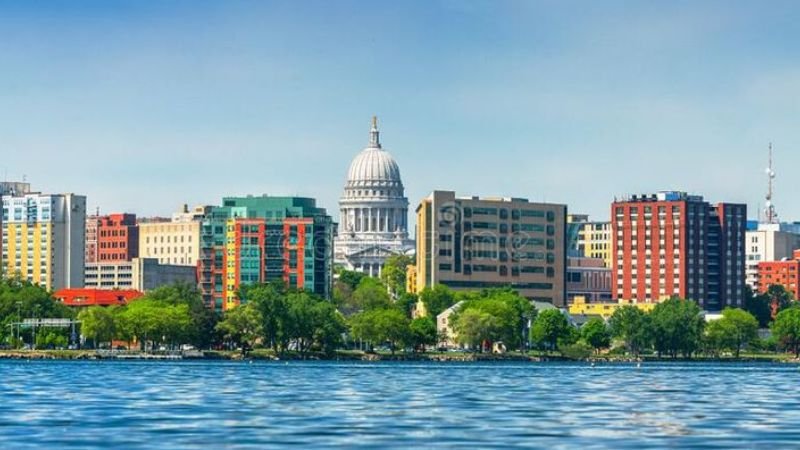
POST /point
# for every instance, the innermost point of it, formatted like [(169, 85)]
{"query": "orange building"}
[(96, 297), (783, 273)]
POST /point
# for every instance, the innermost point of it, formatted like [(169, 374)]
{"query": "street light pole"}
[(19, 323)]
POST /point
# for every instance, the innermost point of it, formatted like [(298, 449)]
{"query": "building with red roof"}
[(96, 297)]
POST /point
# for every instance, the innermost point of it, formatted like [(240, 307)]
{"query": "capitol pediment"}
[(373, 251)]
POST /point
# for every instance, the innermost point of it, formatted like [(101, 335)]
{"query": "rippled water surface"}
[(378, 405)]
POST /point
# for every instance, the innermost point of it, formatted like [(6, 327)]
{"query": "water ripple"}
[(84, 404)]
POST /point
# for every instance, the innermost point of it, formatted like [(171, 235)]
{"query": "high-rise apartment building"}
[(173, 241), (260, 239), (111, 238), (44, 238), (469, 243), (675, 244)]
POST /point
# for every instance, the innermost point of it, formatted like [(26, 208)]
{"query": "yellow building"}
[(175, 241), (606, 309), (411, 279), (595, 240), (43, 238)]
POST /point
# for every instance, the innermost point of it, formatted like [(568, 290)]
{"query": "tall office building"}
[(44, 238), (173, 241), (469, 243), (260, 239), (672, 243), (111, 238)]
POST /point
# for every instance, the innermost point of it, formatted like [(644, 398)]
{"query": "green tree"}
[(379, 326), (406, 302), (242, 326), (550, 326), (677, 327), (437, 299), (759, 306), (270, 300), (302, 319), (140, 321), (633, 326), (343, 288), (370, 294), (394, 272), (473, 327), (733, 330), (21, 299), (786, 328), (176, 325), (423, 332), (98, 323), (779, 298), (329, 328), (200, 331), (577, 351), (596, 334), (351, 278)]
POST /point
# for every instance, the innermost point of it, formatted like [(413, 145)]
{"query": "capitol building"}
[(373, 224)]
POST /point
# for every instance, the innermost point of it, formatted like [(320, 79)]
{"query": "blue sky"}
[(144, 106)]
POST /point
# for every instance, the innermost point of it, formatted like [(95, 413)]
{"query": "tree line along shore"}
[(373, 319)]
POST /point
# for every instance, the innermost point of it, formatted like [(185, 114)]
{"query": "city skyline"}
[(137, 105)]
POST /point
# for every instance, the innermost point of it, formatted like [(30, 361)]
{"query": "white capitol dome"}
[(374, 166), (373, 223)]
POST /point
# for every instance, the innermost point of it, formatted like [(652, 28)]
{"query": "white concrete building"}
[(142, 274), (373, 224), (770, 242)]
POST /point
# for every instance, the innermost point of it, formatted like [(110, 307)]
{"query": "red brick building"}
[(783, 273), (112, 238), (675, 244)]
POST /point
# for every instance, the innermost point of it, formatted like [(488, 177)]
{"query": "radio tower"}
[(769, 209)]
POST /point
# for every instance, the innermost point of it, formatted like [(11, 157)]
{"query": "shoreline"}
[(261, 355)]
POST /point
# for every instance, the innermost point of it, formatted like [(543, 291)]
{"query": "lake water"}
[(86, 404)]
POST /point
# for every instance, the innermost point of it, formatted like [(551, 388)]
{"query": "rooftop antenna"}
[(770, 214)]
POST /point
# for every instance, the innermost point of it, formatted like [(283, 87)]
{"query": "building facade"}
[(589, 239), (580, 306), (111, 238), (174, 241), (142, 274), (260, 239), (675, 244), (80, 297), (784, 273), (373, 211), (469, 243), (44, 238), (769, 242), (588, 278)]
